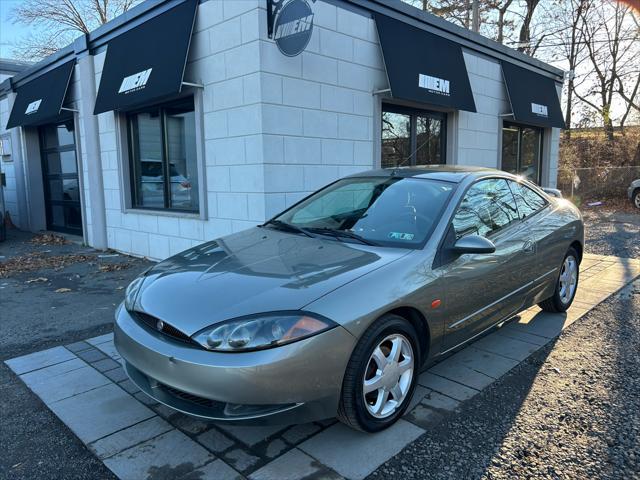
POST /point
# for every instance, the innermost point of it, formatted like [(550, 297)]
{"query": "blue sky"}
[(8, 31)]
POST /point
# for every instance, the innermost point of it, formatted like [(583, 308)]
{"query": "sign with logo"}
[(540, 110), (135, 82), (293, 25), (33, 107), (436, 85)]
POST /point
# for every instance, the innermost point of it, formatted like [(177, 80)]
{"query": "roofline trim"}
[(468, 39), (99, 38)]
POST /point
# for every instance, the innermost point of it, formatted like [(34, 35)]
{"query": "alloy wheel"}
[(636, 200), (568, 279), (388, 376)]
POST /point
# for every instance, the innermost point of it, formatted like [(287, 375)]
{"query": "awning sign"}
[(534, 97), (435, 85), (423, 67), (40, 100), (146, 64), (135, 82)]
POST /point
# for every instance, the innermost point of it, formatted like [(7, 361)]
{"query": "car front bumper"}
[(294, 383)]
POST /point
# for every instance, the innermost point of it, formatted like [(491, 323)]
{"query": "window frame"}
[(134, 154), (413, 129), (521, 127)]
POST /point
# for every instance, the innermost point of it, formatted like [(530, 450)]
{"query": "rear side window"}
[(528, 201), (487, 207)]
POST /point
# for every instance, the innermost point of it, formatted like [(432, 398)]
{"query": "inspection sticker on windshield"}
[(401, 236)]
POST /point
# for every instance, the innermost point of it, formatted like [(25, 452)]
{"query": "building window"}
[(164, 166), (412, 137), (522, 151)]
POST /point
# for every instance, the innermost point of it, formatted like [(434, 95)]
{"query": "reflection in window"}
[(528, 201), (412, 137), (522, 151), (487, 207), (396, 139), (163, 153), (429, 141), (384, 210)]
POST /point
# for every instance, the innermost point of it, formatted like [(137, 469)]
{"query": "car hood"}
[(255, 271)]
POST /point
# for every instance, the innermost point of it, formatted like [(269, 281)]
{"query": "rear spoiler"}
[(554, 192)]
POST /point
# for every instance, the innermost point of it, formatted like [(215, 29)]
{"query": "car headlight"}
[(131, 293), (259, 332)]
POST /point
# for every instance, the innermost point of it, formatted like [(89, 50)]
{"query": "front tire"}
[(636, 198), (381, 375), (566, 285)]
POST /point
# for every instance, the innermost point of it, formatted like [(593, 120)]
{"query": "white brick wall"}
[(224, 56), (276, 128), (479, 133), (7, 166), (318, 106)]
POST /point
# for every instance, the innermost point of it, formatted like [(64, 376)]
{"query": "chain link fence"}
[(596, 183)]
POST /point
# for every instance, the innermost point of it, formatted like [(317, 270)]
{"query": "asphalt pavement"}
[(62, 302), (570, 411), (58, 294)]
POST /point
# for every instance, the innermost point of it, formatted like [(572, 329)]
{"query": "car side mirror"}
[(474, 244)]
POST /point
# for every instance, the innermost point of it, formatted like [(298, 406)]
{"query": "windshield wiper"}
[(287, 227), (343, 234)]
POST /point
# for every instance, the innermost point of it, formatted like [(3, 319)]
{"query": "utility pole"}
[(475, 16)]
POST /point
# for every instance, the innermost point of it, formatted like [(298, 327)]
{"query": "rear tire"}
[(566, 285), (373, 411), (636, 198)]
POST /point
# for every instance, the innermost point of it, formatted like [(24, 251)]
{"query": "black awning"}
[(423, 67), (147, 63), (534, 98), (40, 100)]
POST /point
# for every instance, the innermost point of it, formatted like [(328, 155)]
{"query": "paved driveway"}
[(83, 384)]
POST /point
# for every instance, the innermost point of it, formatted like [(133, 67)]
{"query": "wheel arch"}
[(577, 246), (419, 322)]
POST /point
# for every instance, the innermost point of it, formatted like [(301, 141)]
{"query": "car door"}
[(484, 288), (548, 239)]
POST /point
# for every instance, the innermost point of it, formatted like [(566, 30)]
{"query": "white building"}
[(206, 127)]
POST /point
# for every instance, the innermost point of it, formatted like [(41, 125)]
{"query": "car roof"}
[(448, 173)]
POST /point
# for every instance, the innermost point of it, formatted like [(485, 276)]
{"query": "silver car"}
[(334, 306), (633, 192)]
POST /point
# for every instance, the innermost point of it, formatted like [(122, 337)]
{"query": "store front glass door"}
[(60, 178)]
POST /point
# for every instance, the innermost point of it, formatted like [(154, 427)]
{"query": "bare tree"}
[(612, 40), (59, 22), (524, 40), (502, 7)]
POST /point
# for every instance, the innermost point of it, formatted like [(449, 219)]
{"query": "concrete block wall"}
[(318, 107), (479, 133), (7, 166), (224, 57)]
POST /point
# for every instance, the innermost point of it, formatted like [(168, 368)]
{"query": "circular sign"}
[(293, 27)]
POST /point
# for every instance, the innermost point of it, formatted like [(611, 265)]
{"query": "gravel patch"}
[(572, 410), (610, 232)]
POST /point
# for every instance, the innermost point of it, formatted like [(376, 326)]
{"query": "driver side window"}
[(487, 208)]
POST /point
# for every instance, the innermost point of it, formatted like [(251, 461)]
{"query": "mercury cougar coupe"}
[(333, 307)]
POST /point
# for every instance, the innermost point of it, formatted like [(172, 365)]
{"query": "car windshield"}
[(386, 211)]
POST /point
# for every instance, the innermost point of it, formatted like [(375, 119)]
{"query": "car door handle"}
[(529, 247)]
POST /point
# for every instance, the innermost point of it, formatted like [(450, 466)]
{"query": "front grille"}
[(203, 402), (152, 323)]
